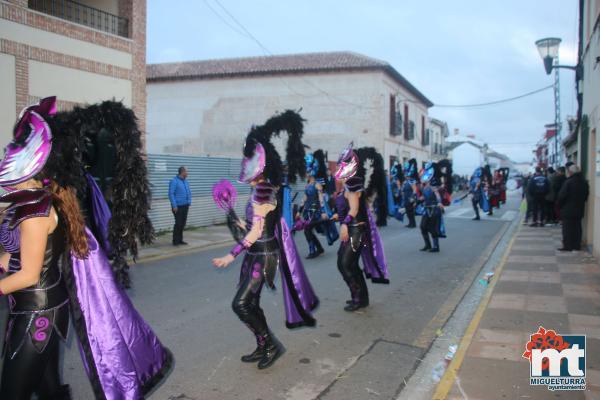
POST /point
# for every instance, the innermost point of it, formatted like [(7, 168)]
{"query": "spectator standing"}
[(550, 198), (181, 198), (558, 180), (571, 200), (538, 188)]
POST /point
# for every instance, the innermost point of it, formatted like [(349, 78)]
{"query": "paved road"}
[(347, 356)]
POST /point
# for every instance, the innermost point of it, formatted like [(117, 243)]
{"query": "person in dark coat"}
[(571, 200), (556, 183), (538, 188)]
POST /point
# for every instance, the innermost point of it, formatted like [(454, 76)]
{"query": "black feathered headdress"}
[(260, 136), (377, 182), (445, 166), (104, 140)]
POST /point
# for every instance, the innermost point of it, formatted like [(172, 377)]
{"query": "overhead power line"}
[(243, 31), (494, 102)]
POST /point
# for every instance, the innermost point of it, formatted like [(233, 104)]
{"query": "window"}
[(392, 115), (423, 142), (426, 137), (411, 130), (406, 123), (395, 117)]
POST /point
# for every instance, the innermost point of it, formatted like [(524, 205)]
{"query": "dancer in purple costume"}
[(268, 243), (358, 232), (55, 264)]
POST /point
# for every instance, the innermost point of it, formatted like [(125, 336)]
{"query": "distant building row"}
[(207, 107)]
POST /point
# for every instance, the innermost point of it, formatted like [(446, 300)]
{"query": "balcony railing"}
[(82, 14)]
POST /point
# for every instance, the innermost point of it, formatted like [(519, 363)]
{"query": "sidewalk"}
[(535, 286), (197, 239)]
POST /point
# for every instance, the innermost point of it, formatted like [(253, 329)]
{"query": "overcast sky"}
[(454, 52)]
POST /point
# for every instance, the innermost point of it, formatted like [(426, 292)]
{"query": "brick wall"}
[(133, 10)]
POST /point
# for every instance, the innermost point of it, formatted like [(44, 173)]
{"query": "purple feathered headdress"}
[(224, 195)]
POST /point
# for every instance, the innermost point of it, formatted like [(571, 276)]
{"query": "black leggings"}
[(347, 262), (246, 303), (475, 203), (311, 238), (31, 371)]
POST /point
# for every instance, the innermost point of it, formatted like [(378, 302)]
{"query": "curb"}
[(180, 251), (449, 377)]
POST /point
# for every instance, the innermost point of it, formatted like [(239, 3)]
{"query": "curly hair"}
[(68, 206)]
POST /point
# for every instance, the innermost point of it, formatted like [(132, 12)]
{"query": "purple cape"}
[(122, 356), (373, 256), (299, 297)]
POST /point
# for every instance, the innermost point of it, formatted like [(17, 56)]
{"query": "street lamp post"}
[(548, 49)]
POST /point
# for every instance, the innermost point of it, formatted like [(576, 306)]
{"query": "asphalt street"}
[(361, 355)]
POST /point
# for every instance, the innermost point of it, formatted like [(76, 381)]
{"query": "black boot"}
[(319, 248), (312, 252), (427, 242), (436, 246), (273, 350), (258, 353)]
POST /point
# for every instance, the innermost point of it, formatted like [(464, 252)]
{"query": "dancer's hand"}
[(223, 261), (335, 217), (324, 216), (344, 233)]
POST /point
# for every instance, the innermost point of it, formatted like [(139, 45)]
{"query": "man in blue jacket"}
[(181, 198)]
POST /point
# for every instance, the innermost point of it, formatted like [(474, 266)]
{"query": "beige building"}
[(82, 52), (207, 107)]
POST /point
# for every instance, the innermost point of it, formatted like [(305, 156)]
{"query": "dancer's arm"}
[(260, 211), (34, 235), (353, 202)]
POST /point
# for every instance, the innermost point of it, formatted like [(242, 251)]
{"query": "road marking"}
[(458, 212), (451, 373)]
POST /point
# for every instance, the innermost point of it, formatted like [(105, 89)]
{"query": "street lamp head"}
[(548, 49)]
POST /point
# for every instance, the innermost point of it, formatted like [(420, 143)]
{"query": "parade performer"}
[(358, 232), (503, 180), (395, 200), (55, 262), (268, 243), (476, 191), (410, 191), (489, 191), (431, 221), (315, 211)]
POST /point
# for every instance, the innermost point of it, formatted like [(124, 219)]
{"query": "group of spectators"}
[(557, 196)]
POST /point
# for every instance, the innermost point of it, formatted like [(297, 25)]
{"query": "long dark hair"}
[(377, 182)]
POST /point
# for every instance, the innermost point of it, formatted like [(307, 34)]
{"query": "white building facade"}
[(207, 107), (437, 134)]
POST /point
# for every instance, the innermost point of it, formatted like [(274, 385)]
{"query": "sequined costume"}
[(316, 212), (363, 241), (431, 220), (121, 355), (274, 248)]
